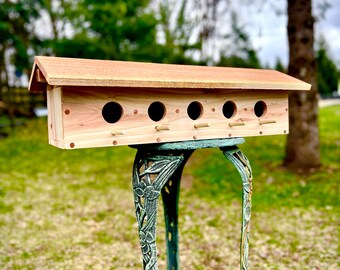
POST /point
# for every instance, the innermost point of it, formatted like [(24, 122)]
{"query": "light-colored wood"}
[(237, 124), (34, 82), (83, 72), (269, 121), (40, 77), (86, 96), (84, 126), (55, 117), (201, 125), (162, 127), (117, 132)]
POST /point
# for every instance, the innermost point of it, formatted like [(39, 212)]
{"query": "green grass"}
[(272, 184), (73, 209)]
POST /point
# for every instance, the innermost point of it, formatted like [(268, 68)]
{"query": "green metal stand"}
[(157, 170)]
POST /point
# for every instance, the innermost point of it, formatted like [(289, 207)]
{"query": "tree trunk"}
[(302, 149)]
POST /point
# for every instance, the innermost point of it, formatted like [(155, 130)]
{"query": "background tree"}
[(212, 32), (241, 53), (185, 32), (302, 148), (174, 31), (121, 30), (16, 35), (327, 71), (16, 43), (279, 66)]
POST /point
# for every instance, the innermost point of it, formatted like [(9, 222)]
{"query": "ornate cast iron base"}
[(157, 170)]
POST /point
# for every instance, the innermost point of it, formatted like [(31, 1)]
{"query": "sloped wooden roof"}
[(104, 73)]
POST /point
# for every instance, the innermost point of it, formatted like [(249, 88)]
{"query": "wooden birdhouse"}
[(93, 103)]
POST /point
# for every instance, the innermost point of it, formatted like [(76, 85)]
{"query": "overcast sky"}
[(269, 36), (267, 28)]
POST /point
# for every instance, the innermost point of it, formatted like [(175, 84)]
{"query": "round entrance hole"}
[(229, 109), (112, 112), (156, 111), (195, 110), (260, 108)]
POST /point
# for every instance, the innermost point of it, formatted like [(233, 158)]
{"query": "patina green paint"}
[(157, 170), (241, 162), (191, 145), (170, 195), (150, 173)]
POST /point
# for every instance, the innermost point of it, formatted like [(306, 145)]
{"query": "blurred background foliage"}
[(327, 75), (200, 32), (164, 31), (45, 210)]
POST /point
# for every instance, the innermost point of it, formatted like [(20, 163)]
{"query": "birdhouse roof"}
[(59, 71)]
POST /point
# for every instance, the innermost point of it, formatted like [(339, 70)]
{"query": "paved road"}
[(328, 102)]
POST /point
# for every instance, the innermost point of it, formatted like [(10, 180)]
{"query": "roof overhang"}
[(58, 71)]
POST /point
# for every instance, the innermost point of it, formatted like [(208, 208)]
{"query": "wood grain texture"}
[(84, 72), (55, 116), (83, 124)]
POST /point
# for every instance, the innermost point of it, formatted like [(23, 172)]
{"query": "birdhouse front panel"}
[(111, 110)]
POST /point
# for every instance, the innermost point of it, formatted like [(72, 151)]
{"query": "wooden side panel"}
[(55, 117), (85, 126)]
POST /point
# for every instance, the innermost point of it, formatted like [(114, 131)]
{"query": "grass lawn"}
[(73, 209)]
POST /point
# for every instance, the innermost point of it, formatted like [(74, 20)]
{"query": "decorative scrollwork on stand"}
[(241, 162), (150, 174), (157, 170)]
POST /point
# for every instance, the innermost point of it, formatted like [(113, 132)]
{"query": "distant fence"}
[(18, 102), (17, 105)]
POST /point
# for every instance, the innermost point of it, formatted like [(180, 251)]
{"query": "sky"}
[(267, 28), (268, 32)]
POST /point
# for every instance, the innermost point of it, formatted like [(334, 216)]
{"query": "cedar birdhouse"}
[(93, 103)]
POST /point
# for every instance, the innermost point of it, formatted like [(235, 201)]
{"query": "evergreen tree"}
[(241, 53), (120, 30), (16, 28), (327, 77), (279, 66)]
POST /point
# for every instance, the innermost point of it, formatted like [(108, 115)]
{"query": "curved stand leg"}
[(151, 170), (240, 161), (170, 195)]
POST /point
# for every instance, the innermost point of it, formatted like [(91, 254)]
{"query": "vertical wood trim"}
[(55, 116)]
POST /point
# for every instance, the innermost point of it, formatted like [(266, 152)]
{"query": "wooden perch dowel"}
[(201, 125), (263, 122), (95, 103), (235, 124), (162, 127), (117, 132)]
